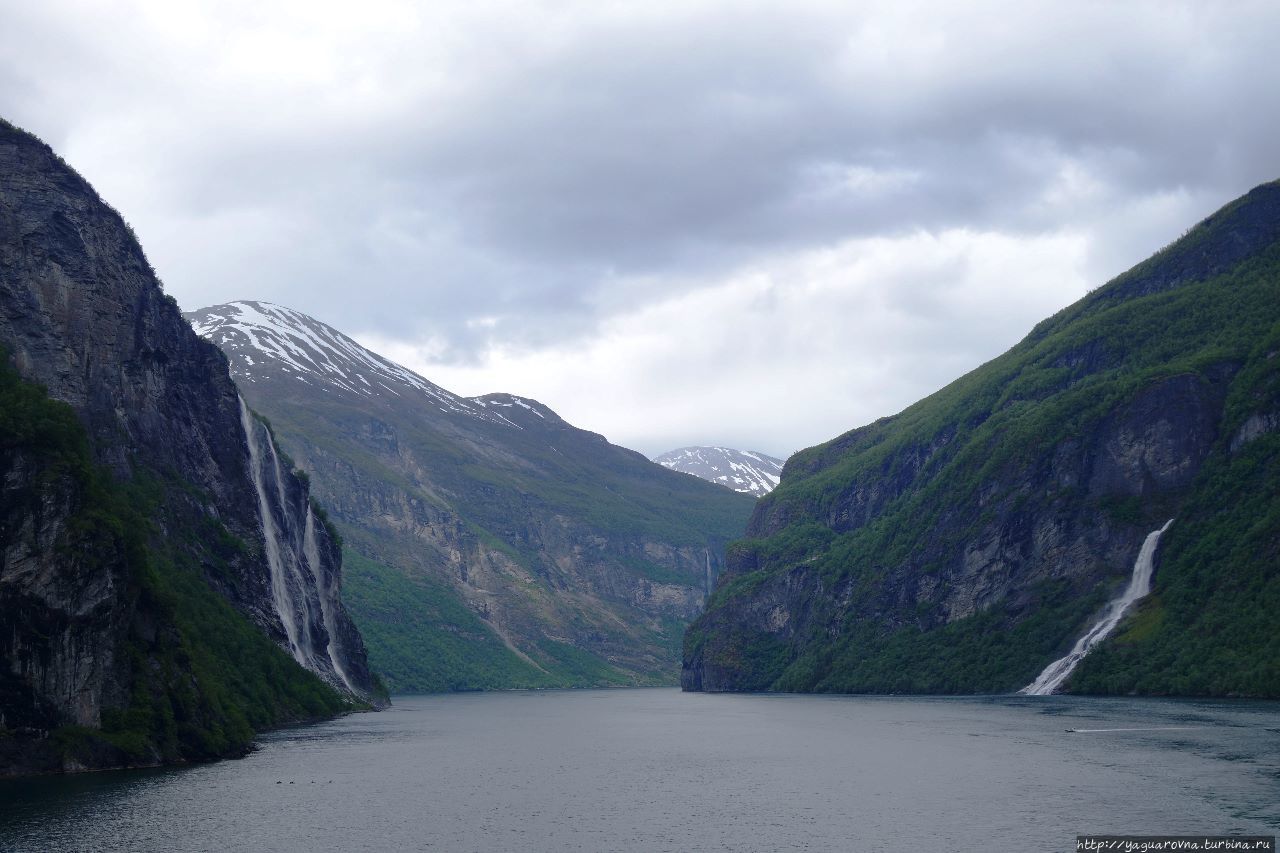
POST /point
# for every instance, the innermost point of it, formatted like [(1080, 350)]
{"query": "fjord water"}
[(655, 770)]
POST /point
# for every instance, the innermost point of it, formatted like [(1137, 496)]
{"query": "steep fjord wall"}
[(133, 548), (964, 543)]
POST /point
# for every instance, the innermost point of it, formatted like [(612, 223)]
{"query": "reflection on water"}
[(649, 770)]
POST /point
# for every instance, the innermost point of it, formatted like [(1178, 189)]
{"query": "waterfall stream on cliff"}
[(311, 550), (296, 583), (303, 593), (271, 534), (1057, 672)]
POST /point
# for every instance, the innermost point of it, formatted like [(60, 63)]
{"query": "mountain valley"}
[(491, 544)]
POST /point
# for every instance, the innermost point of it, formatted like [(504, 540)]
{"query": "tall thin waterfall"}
[(304, 591), (296, 583), (311, 550), (281, 595), (1139, 586)]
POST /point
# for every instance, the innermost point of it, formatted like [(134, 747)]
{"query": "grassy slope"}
[(422, 639), (420, 634), (1007, 414), (564, 472)]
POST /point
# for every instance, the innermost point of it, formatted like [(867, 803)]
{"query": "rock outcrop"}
[(91, 599)]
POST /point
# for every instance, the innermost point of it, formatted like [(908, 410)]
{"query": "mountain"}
[(489, 543), (166, 587), (968, 541), (745, 471)]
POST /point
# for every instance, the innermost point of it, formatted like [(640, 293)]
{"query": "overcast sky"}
[(751, 224)]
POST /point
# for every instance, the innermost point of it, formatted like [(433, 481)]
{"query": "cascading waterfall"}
[(280, 594), (295, 583), (311, 550), (1053, 676), (303, 593)]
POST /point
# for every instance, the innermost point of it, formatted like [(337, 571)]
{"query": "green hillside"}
[(490, 543), (964, 543)]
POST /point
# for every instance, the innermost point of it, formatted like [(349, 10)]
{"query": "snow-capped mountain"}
[(525, 551), (267, 343), (741, 470)]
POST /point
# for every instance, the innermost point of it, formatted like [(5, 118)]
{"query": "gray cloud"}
[(468, 178)]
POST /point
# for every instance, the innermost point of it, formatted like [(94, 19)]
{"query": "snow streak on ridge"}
[(746, 471), (265, 341)]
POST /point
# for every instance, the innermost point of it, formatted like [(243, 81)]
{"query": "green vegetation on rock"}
[(198, 679), (490, 544), (964, 543)]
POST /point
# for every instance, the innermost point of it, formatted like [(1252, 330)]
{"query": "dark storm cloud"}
[(651, 151), (635, 146), (465, 175)]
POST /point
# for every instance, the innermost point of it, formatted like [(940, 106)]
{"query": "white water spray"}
[(311, 550), (280, 596), (303, 594), (1139, 586), (296, 584)]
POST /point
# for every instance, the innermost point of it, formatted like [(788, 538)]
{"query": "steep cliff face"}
[(495, 544), (148, 491), (963, 544)]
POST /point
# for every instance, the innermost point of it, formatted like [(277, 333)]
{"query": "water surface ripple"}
[(660, 770)]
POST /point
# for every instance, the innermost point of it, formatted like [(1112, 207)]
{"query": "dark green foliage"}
[(423, 640), (207, 679), (242, 681), (932, 477), (1210, 631), (984, 653), (201, 678)]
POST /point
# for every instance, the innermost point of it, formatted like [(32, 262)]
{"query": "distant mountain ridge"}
[(490, 543), (290, 343), (743, 471)]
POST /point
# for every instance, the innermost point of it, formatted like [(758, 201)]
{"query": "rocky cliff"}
[(135, 526), (491, 543), (964, 543)]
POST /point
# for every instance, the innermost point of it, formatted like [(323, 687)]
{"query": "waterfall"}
[(280, 593), (296, 584), (311, 550), (304, 590), (1057, 672)]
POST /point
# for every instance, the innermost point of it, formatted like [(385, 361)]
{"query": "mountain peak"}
[(745, 471), (269, 343), (512, 406)]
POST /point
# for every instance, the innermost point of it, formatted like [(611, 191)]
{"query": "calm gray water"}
[(659, 770)]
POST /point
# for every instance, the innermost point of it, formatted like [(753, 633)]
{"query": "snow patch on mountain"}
[(268, 342), (746, 471)]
